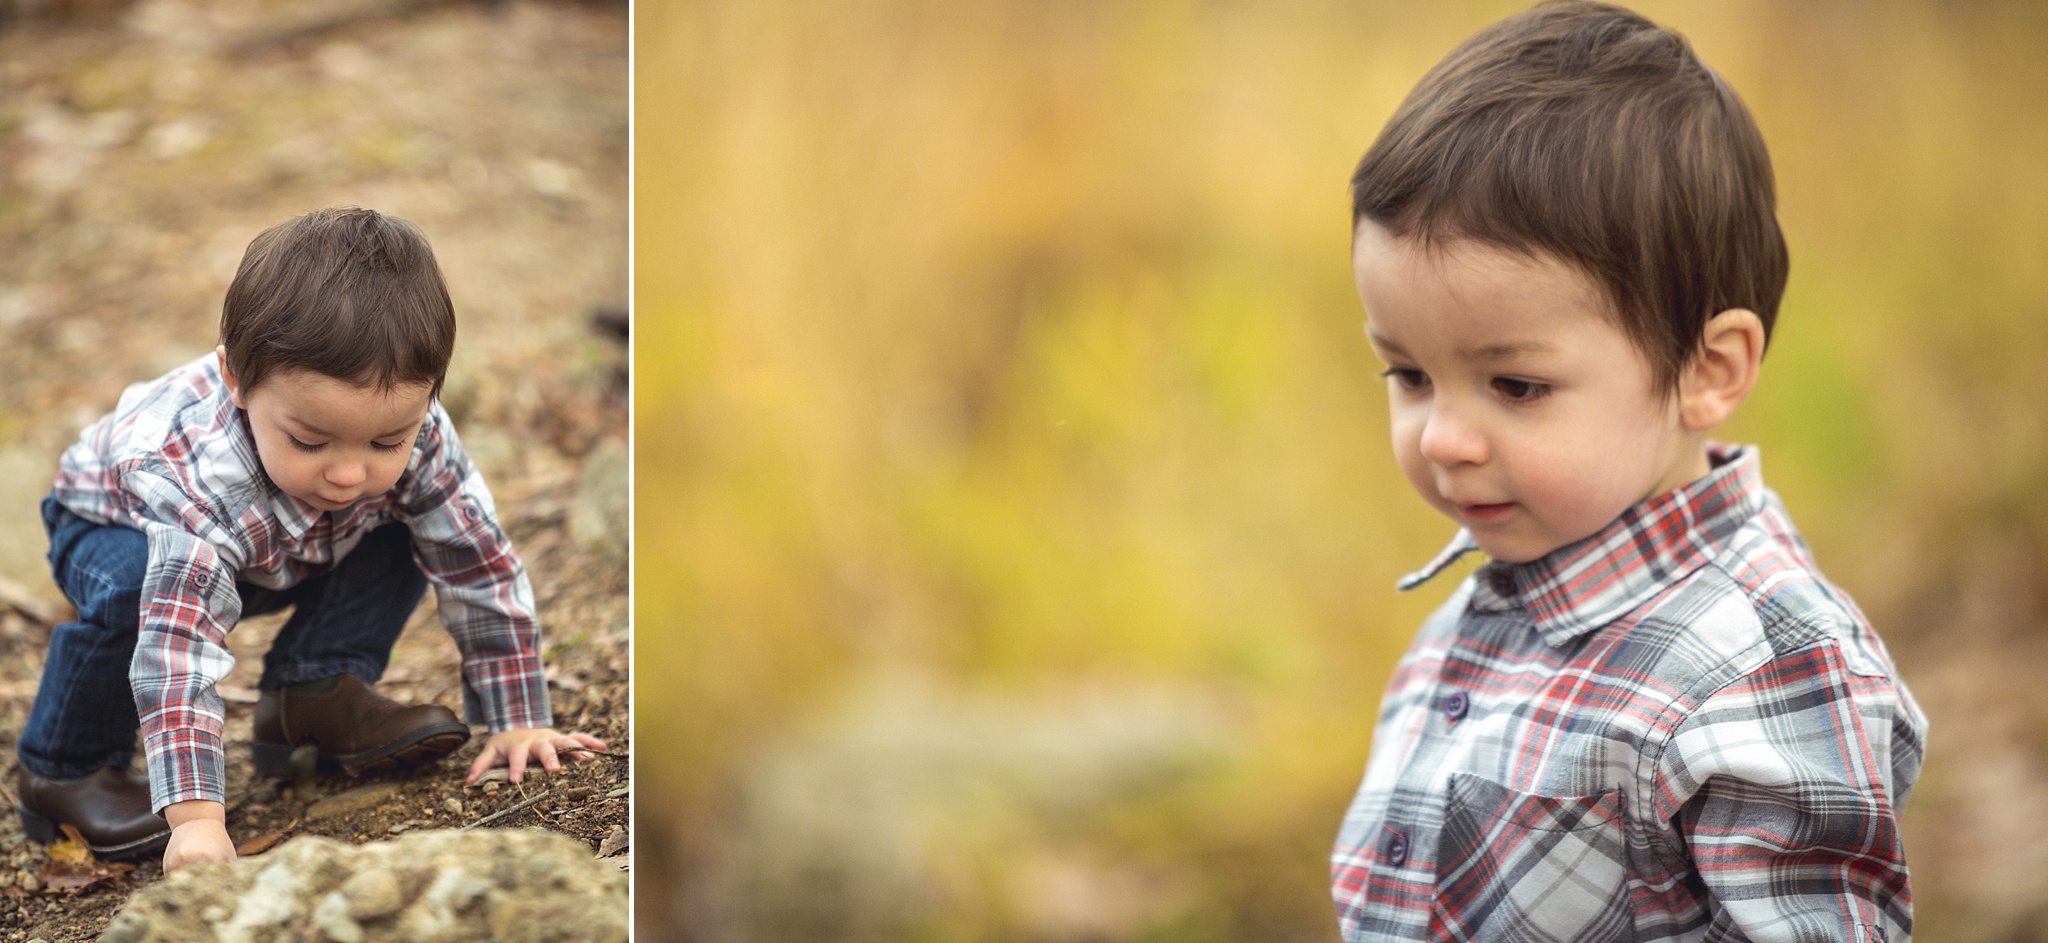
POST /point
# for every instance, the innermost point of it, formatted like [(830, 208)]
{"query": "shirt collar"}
[(1588, 583), (293, 515)]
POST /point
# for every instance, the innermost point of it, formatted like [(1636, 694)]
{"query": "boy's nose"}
[(346, 474), (1449, 439)]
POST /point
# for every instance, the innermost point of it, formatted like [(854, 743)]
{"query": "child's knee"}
[(103, 573)]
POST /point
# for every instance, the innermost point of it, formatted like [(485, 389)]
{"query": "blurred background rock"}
[(1017, 525)]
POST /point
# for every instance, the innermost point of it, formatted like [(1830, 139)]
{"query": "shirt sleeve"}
[(189, 602), (1784, 789), (485, 599)]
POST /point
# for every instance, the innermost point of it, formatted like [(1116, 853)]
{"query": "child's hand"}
[(199, 832), (512, 748)]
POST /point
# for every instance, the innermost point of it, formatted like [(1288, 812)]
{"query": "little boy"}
[(306, 462), (1648, 716)]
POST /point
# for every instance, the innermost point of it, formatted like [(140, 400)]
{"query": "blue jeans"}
[(84, 716)]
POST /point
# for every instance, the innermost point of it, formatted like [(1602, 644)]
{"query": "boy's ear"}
[(228, 376), (1720, 377)]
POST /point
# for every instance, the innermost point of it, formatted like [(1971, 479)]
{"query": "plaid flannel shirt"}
[(176, 461), (1674, 729)]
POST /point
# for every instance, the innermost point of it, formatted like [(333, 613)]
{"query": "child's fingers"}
[(578, 744), (484, 761), (546, 752), (516, 759)]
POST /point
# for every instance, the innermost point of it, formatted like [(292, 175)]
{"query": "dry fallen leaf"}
[(71, 866), (259, 844), (72, 848), (613, 843)]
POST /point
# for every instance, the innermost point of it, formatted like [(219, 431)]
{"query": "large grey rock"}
[(941, 799), (503, 886)]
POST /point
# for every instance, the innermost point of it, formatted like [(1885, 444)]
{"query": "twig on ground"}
[(501, 813)]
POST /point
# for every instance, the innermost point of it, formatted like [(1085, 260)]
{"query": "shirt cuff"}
[(506, 692), (186, 761)]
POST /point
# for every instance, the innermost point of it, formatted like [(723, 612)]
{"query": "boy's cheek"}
[(1422, 480)]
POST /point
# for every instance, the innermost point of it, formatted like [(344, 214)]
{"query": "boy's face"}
[(1519, 409), (329, 442)]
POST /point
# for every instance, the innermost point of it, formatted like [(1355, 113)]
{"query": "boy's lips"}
[(1486, 513)]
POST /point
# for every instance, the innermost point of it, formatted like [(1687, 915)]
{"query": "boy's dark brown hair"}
[(1587, 133), (346, 292)]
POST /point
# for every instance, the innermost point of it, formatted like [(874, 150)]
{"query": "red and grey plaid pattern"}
[(175, 460), (1674, 729)]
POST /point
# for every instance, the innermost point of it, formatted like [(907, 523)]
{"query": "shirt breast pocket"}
[(1514, 866)]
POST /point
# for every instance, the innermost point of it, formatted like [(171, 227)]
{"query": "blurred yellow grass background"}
[(1016, 526)]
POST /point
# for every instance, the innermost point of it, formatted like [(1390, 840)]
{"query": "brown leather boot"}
[(357, 730), (110, 809)]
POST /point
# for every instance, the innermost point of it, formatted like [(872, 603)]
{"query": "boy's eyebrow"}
[(1483, 352), (1505, 350), (318, 432), (1382, 342)]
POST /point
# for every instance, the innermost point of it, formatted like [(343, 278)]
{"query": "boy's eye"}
[(304, 446), (1406, 378), (1520, 391), (387, 447)]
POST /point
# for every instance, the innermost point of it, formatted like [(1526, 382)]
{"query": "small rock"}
[(399, 828), (613, 843), (577, 792), (453, 805), (620, 792), (305, 762), (491, 789)]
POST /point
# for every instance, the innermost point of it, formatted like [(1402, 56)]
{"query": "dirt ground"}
[(141, 146)]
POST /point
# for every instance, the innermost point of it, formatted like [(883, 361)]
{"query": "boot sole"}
[(44, 830), (423, 746)]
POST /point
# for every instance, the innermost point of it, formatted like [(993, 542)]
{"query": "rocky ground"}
[(141, 146), (499, 885)]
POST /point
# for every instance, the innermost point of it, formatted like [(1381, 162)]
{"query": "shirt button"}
[(469, 511), (1397, 849), (1502, 581), (1456, 706), (201, 578)]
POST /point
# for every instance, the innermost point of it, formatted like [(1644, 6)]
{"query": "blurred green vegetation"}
[(1006, 353)]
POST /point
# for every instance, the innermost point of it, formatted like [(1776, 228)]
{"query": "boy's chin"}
[(1504, 548)]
